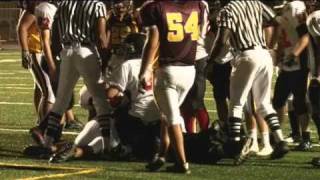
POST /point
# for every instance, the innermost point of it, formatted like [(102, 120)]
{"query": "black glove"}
[(26, 59), (290, 60)]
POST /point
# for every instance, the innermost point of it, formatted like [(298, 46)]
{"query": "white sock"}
[(254, 135), (265, 139)]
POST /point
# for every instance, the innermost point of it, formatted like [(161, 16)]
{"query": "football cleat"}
[(280, 150), (304, 146), (121, 152), (37, 136), (37, 152), (155, 164), (65, 153), (265, 151), (254, 149), (245, 152), (179, 168)]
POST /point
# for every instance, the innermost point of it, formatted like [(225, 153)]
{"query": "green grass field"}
[(17, 115)]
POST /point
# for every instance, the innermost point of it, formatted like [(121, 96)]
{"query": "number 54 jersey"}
[(178, 23)]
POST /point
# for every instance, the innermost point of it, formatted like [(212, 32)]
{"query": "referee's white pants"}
[(171, 87), (252, 71), (76, 62)]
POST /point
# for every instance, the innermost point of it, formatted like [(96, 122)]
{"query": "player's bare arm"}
[(222, 38), (26, 21), (46, 40), (103, 43), (149, 56)]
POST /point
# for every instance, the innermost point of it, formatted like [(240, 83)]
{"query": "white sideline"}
[(9, 60), (25, 130)]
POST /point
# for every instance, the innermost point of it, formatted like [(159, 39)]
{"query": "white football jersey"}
[(45, 13), (289, 22), (201, 51), (125, 77)]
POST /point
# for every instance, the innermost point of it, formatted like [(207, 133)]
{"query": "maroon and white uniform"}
[(178, 25)]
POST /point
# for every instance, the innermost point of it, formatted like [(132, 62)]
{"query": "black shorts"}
[(294, 82), (220, 80), (196, 94), (314, 96)]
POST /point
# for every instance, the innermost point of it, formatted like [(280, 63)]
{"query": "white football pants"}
[(172, 84), (80, 61), (252, 70)]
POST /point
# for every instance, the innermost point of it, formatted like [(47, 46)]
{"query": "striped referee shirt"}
[(78, 20), (245, 19)]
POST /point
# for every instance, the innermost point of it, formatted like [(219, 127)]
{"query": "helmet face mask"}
[(121, 7)]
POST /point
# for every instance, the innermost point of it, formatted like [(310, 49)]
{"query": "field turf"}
[(17, 115)]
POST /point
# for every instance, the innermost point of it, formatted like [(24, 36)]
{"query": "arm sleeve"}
[(224, 19), (101, 10), (268, 14), (205, 19), (45, 13)]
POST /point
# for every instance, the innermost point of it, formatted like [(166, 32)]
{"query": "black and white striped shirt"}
[(245, 19), (78, 20)]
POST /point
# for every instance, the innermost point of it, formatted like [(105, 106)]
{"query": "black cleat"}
[(37, 152), (244, 153), (156, 164), (280, 150), (37, 136), (304, 146), (65, 153), (316, 162), (179, 168)]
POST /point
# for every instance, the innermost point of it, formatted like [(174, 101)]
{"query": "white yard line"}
[(9, 60), (24, 88), (17, 78), (23, 103), (26, 130), (4, 73), (15, 103)]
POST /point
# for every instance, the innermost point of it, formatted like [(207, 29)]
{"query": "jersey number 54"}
[(177, 29)]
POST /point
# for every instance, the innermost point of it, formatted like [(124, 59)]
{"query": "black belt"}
[(251, 48)]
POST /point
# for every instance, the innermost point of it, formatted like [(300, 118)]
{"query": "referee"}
[(82, 30), (241, 22)]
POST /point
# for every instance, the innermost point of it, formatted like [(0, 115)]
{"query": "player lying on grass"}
[(138, 128)]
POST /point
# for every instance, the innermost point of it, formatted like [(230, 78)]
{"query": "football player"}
[(313, 24), (120, 24), (193, 107), (173, 29), (293, 76), (33, 60)]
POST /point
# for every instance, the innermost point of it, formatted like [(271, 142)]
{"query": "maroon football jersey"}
[(178, 23)]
